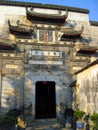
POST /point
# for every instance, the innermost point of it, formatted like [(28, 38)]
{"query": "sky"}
[(91, 5)]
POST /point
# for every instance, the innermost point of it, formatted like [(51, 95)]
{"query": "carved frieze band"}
[(46, 62)]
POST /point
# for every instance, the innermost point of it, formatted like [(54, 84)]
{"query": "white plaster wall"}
[(47, 11), (94, 34), (76, 16), (10, 92), (10, 10), (88, 86)]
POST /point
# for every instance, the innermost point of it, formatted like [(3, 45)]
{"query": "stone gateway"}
[(41, 47)]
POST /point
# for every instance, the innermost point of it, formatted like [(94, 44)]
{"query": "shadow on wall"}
[(68, 114), (11, 98)]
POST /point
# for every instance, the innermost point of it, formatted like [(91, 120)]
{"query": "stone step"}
[(39, 129), (43, 124), (47, 123), (29, 121)]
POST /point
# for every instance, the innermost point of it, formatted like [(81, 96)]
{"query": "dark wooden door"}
[(45, 101)]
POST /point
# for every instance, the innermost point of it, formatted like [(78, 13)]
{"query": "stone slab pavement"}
[(54, 129)]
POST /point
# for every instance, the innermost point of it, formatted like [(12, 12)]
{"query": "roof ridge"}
[(51, 6)]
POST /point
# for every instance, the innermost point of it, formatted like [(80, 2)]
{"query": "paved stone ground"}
[(58, 129), (32, 128), (49, 128)]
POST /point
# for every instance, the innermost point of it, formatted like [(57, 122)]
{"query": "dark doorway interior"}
[(45, 102)]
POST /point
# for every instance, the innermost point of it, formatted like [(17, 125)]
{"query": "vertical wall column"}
[(21, 93), (0, 81)]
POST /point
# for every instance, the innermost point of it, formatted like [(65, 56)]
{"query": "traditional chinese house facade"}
[(41, 46)]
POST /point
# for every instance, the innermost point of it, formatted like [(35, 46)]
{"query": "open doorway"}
[(45, 100)]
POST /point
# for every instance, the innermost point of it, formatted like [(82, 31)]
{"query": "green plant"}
[(79, 114), (94, 119), (13, 114), (6, 122), (9, 119)]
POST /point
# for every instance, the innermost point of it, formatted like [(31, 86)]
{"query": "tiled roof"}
[(45, 18), (73, 83), (71, 31), (70, 34), (94, 23), (88, 66), (18, 31), (6, 48), (86, 50)]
